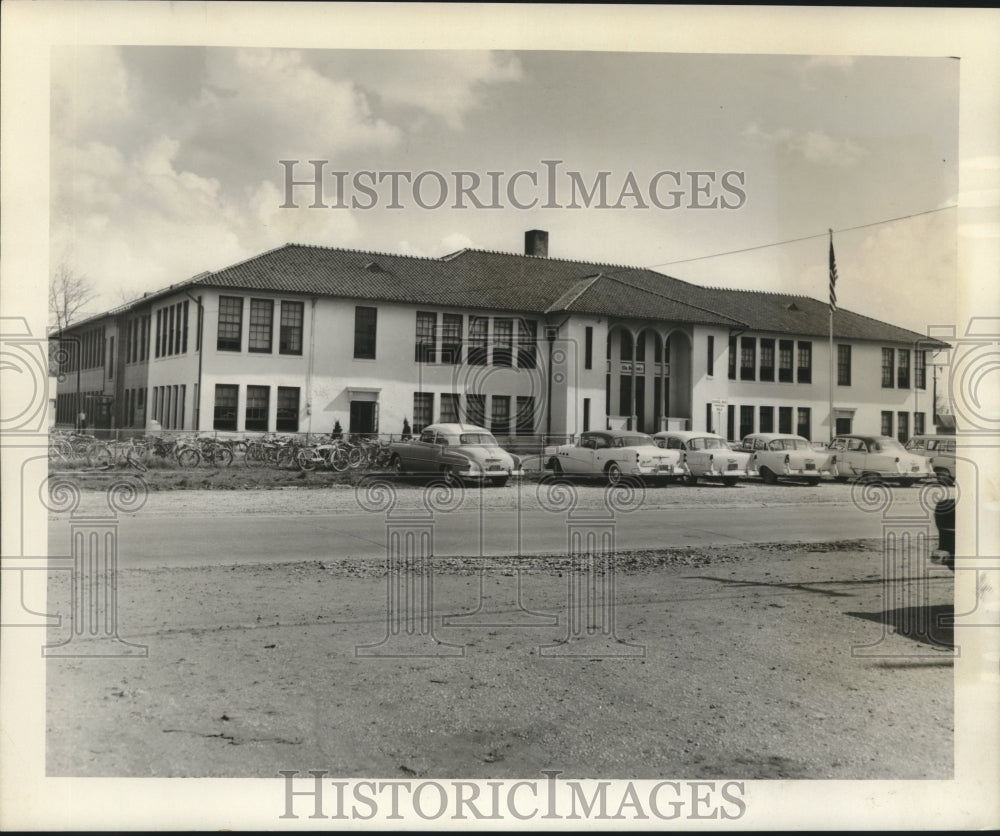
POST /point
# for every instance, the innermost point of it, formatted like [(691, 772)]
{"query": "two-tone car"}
[(706, 456), (785, 456), (939, 450), (614, 455), (876, 457), (456, 453)]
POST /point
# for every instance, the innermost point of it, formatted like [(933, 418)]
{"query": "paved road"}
[(200, 539)]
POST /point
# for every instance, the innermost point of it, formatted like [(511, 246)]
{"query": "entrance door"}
[(364, 418)]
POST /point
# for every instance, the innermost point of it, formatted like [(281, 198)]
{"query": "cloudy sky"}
[(165, 163)]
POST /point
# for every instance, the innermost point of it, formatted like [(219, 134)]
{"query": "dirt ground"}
[(784, 661)]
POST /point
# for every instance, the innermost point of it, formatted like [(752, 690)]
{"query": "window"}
[(843, 426), (784, 419), (886, 422), (527, 344), (766, 419), (732, 358), (888, 364), (144, 346), (843, 365), (640, 348), (256, 411), (230, 323), (903, 369), (290, 335), (525, 419), (805, 363), (184, 338), (478, 333), (423, 349), (365, 324), (287, 419), (746, 421), (588, 347), (624, 346), (159, 330), (451, 338), (786, 350), (708, 418), (731, 422), (903, 427), (710, 359), (804, 427), (111, 358), (586, 414), (168, 349), (625, 404), (476, 408), (226, 397), (918, 423), (180, 408), (767, 360), (503, 341), (261, 323), (920, 370), (449, 409), (423, 410), (748, 358), (500, 418)]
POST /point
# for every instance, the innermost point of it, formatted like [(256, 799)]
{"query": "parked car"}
[(615, 454), (706, 455), (939, 450), (456, 452), (876, 457), (944, 519), (782, 455)]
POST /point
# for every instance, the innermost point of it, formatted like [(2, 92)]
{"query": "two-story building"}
[(302, 337)]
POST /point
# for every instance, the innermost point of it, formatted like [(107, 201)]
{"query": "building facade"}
[(302, 338)]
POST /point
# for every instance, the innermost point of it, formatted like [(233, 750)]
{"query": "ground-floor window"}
[(287, 419), (746, 421), (226, 397), (784, 419), (767, 419), (500, 418), (257, 407), (805, 422), (586, 414), (475, 409), (449, 408), (525, 419), (918, 423), (886, 423), (843, 426), (423, 410), (731, 422), (903, 427)]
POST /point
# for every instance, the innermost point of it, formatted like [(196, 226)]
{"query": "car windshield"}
[(916, 444), (485, 439), (633, 441), (789, 444), (890, 445), (707, 443)]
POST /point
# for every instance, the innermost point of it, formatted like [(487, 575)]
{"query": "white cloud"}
[(90, 89), (815, 146)]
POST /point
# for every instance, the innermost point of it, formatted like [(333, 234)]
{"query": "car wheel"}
[(397, 465), (843, 479), (730, 483), (498, 483), (944, 477), (767, 475), (614, 473), (691, 479), (555, 467), (449, 477), (906, 483)]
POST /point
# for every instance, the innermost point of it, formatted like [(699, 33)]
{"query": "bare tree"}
[(69, 294)]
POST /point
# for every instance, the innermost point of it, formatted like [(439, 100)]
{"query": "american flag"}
[(833, 277)]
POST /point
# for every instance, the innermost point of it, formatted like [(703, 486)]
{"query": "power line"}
[(804, 238)]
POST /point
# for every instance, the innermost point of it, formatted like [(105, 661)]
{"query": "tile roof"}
[(533, 284)]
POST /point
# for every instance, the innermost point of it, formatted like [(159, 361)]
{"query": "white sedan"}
[(707, 456), (876, 457), (781, 455), (614, 454)]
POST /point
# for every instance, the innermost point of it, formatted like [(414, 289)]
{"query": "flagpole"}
[(833, 279)]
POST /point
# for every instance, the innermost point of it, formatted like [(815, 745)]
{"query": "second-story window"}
[(767, 360), (478, 333), (805, 363), (261, 319), (888, 370), (843, 365), (365, 325), (919, 372), (527, 344), (230, 323), (423, 351), (903, 369), (786, 352), (503, 341), (290, 337), (748, 358), (451, 338)]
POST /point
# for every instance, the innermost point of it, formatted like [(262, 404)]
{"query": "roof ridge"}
[(678, 301), (356, 251), (550, 258)]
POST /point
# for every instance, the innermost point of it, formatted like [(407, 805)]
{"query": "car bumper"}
[(490, 474), (659, 470)]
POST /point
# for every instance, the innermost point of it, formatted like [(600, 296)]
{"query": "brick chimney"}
[(536, 242)]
